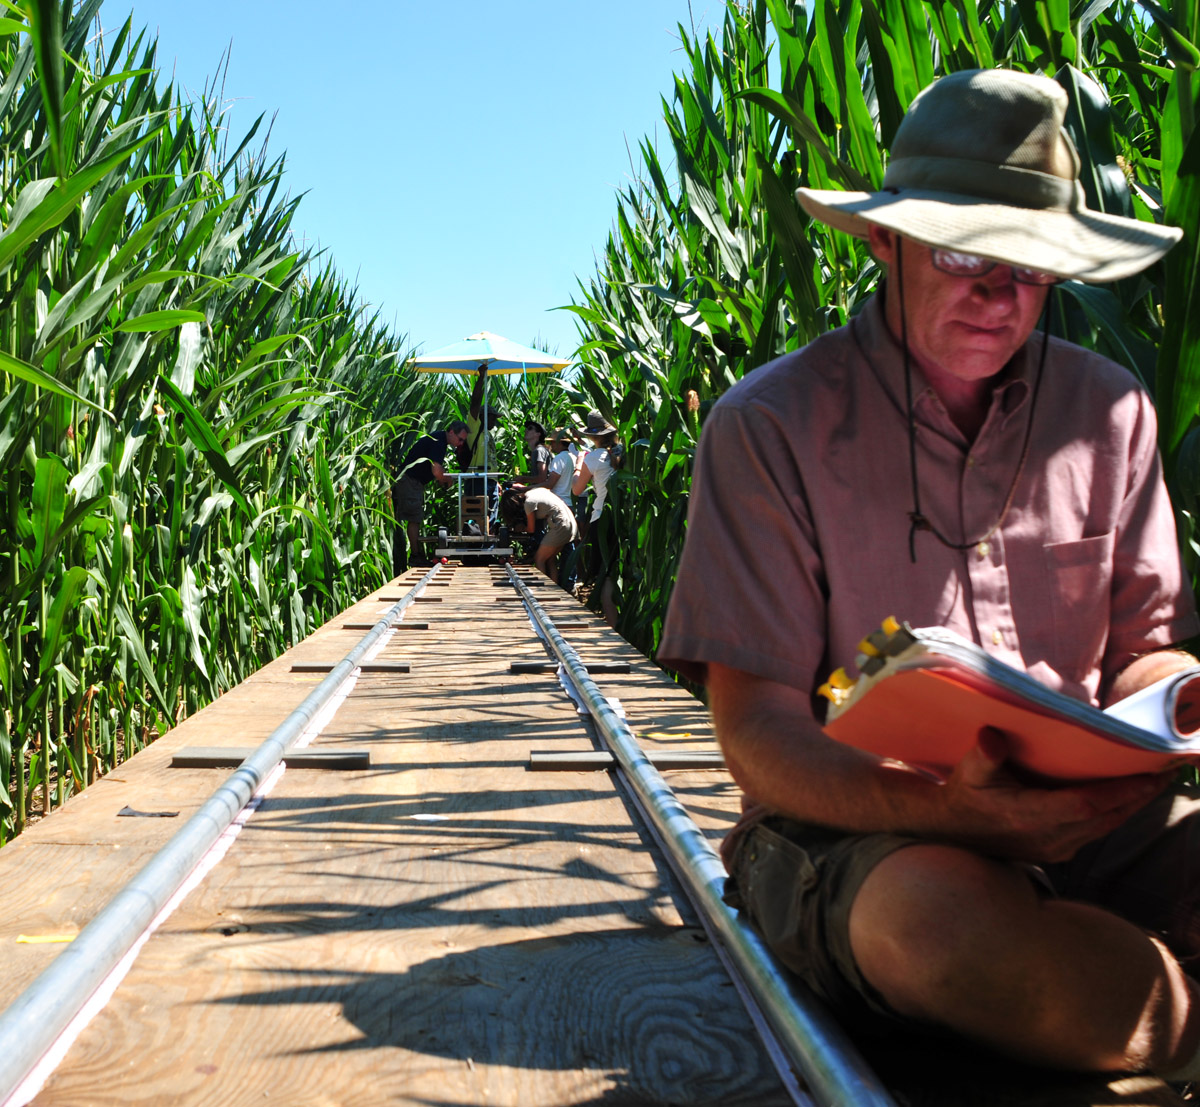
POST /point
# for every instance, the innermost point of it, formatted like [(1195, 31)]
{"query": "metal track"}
[(831, 1067), (40, 1014), (797, 1031)]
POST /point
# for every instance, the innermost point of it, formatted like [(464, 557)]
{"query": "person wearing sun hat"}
[(938, 460), (598, 553)]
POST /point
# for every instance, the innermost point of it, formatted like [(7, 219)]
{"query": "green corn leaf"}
[(62, 611), (1178, 376), (807, 131), (49, 503), (45, 31), (26, 372), (799, 261), (1105, 312), (201, 435), (1181, 50), (154, 321), (49, 542), (62, 199), (191, 599), (1089, 123), (6, 685), (132, 638), (191, 348)]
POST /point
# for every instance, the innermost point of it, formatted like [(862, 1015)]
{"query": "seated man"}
[(937, 460)]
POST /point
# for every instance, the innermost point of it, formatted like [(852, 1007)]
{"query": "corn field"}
[(712, 269), (193, 413), (196, 416)]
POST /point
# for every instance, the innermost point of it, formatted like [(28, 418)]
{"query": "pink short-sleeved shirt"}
[(797, 540)]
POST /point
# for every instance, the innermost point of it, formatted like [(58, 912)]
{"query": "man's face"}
[(459, 438), (960, 329)]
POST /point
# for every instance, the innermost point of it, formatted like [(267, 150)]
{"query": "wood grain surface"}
[(444, 927)]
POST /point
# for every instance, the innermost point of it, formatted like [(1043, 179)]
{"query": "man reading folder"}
[(943, 459)]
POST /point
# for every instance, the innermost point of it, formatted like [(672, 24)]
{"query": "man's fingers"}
[(1130, 792), (985, 759)]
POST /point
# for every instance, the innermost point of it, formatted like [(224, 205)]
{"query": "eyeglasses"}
[(972, 265)]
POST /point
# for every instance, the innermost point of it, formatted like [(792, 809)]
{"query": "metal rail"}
[(820, 1050), (39, 1015)]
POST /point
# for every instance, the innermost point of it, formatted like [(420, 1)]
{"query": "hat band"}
[(1005, 184)]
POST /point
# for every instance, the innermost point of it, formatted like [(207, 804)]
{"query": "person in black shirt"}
[(423, 463)]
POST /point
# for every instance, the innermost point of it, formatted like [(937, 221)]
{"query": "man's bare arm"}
[(475, 404), (779, 755)]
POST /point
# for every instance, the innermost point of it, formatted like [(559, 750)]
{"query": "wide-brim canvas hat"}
[(981, 165), (596, 425)]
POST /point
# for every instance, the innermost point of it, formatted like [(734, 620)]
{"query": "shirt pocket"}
[(1080, 578)]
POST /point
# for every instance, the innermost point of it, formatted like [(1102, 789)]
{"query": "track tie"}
[(366, 666), (549, 761), (552, 666), (395, 626), (230, 757)]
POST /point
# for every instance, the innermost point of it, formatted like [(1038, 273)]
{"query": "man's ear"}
[(882, 242)]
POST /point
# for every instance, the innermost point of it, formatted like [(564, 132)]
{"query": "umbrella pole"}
[(486, 465), (485, 424)]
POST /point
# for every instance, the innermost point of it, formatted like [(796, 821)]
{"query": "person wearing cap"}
[(596, 467), (938, 460)]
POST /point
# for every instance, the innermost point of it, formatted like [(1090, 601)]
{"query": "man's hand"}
[(779, 755), (990, 808)]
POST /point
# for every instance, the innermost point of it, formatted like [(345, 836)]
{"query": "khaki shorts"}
[(797, 883), (561, 528), (408, 500)]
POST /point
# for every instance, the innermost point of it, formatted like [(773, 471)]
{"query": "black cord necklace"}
[(917, 518)]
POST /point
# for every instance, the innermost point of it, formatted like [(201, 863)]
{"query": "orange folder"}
[(927, 704)]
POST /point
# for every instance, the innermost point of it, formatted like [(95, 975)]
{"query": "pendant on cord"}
[(984, 548)]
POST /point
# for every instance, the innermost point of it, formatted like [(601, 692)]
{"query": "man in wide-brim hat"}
[(939, 460)]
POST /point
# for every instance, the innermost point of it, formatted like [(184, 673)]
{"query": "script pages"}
[(925, 695)]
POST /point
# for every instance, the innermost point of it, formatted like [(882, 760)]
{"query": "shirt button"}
[(997, 638), (970, 461)]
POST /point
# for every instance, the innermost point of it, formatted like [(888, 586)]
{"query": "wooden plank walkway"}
[(445, 927)]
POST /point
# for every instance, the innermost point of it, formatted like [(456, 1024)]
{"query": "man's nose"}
[(997, 282)]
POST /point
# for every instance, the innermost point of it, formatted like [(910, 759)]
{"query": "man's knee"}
[(929, 918)]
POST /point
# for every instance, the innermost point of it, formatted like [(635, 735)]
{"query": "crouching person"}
[(526, 507)]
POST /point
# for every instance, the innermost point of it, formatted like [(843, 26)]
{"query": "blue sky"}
[(460, 160)]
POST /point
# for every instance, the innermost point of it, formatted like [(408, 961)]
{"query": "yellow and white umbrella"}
[(491, 353)]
